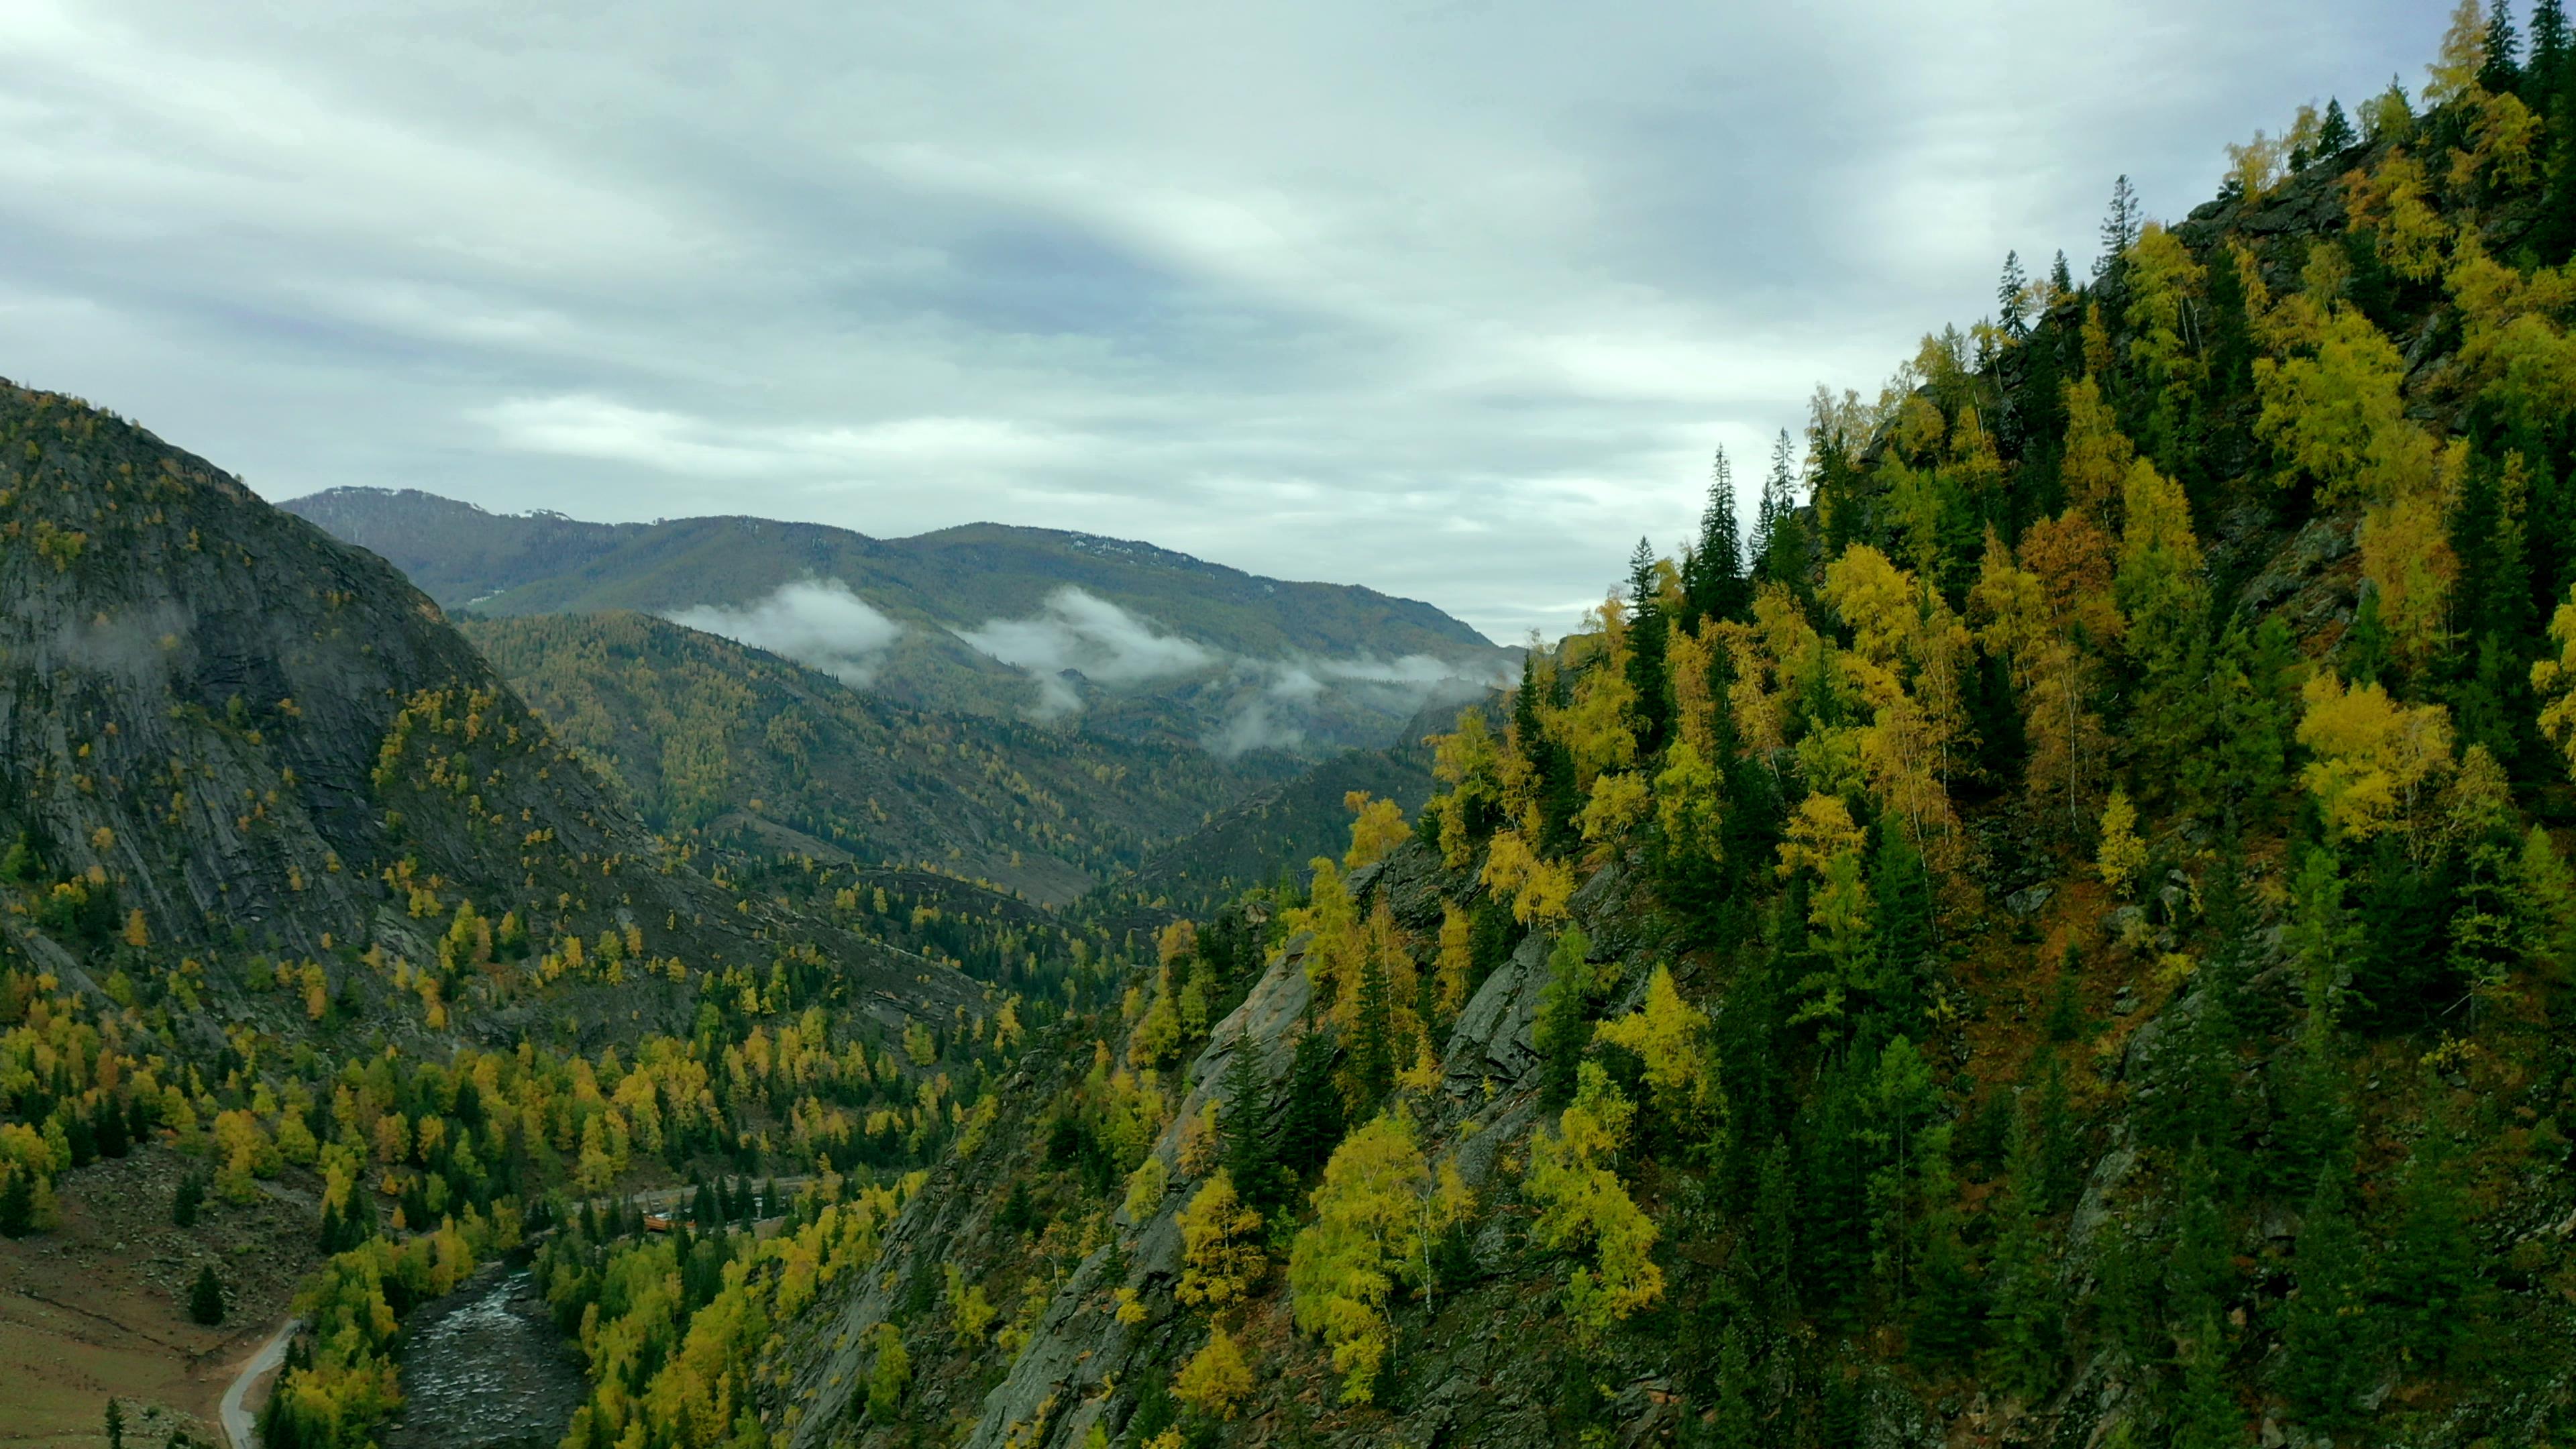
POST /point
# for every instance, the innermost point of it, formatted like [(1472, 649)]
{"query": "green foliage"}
[(206, 1297)]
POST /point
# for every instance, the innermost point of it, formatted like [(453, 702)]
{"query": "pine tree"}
[(1648, 631), (2119, 227), (1563, 1027), (2325, 1329), (1373, 1044), (206, 1298), (17, 1202), (1245, 1091), (2024, 1312), (185, 1201), (1735, 1424), (1713, 576), (115, 1424), (2061, 280), (1780, 539), (2501, 72), (2012, 298), (2206, 1416), (2545, 78), (1314, 1118), (2430, 1273)]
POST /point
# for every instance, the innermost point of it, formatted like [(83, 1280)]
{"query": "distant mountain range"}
[(1132, 641)]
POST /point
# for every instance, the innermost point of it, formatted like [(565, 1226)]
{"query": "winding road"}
[(238, 1424)]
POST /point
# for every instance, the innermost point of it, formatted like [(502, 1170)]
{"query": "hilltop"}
[(1138, 642)]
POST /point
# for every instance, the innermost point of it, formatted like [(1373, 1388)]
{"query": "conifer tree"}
[(1734, 1422), (2061, 281), (2430, 1273), (2012, 298), (2120, 226), (1648, 630), (17, 1201), (2023, 1311), (1563, 1027), (2325, 1329), (2500, 70), (2206, 1415), (1245, 1090), (2544, 79), (1713, 575), (206, 1297)]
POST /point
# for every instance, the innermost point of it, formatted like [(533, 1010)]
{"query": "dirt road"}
[(238, 1425)]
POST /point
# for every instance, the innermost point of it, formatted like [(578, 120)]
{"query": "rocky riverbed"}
[(485, 1368)]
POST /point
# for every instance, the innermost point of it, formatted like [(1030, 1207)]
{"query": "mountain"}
[(301, 904), (709, 735), (2068, 944), (1141, 642)]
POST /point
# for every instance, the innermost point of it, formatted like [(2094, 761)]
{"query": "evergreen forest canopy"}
[(2057, 936)]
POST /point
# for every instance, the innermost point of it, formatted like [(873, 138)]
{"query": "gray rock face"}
[(263, 739), (1494, 1037)]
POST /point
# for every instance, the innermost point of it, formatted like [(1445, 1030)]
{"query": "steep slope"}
[(708, 734), (2071, 947), (231, 731), (1142, 642)]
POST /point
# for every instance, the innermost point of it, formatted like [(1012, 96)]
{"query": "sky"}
[(1453, 300)]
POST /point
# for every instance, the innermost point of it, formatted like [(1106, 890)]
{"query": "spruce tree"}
[(2544, 79), (2119, 227), (115, 1424), (184, 1202), (2429, 1271), (2061, 279), (2325, 1327), (2012, 298), (1313, 1121), (2206, 1415), (1735, 1423), (2023, 1311), (1647, 631), (1243, 1113), (1564, 1026), (2500, 71), (1713, 577), (1780, 538), (17, 1202), (206, 1298)]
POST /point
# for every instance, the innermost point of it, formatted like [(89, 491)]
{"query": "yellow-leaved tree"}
[(1221, 1254), (1582, 1204), (1217, 1379), (2379, 765), (1670, 1036), (1376, 1213)]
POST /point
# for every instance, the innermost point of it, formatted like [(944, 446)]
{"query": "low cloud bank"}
[(816, 622), (1089, 636), (1268, 716)]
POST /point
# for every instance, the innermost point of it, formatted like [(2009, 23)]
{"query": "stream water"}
[(485, 1368)]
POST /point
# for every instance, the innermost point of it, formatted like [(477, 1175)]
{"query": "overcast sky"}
[(1449, 299)]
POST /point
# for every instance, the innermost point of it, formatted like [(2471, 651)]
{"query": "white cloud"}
[(816, 622), (1083, 634), (1297, 287)]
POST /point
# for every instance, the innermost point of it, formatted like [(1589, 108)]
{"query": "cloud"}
[(1269, 715), (1080, 633), (817, 622), (1448, 300), (1253, 725)]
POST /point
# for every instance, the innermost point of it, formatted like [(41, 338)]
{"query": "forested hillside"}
[(1119, 638), (308, 910), (2058, 937), (707, 735)]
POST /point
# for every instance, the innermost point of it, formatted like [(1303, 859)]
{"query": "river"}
[(485, 1368)]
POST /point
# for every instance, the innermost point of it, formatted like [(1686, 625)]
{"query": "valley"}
[(2051, 926)]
